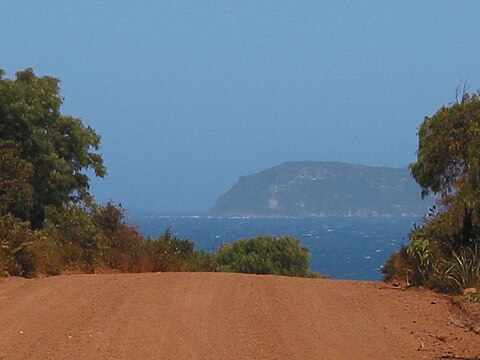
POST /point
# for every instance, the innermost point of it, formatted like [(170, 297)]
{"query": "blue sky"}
[(190, 95)]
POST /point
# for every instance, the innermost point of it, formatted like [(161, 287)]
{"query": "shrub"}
[(201, 261), (465, 270), (437, 264), (173, 254), (264, 255), (22, 251), (88, 238), (75, 234), (122, 246), (398, 266)]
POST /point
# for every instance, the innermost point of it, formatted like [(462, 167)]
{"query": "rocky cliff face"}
[(317, 188)]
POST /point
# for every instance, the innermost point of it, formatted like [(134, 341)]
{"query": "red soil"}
[(226, 316)]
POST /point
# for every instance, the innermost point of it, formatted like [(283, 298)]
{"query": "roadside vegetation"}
[(265, 255), (50, 223), (444, 249)]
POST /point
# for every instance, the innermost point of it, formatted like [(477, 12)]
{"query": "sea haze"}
[(353, 248)]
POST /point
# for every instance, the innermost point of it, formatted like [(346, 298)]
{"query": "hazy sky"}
[(190, 95)]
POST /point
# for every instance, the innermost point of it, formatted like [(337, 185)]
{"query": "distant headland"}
[(319, 188)]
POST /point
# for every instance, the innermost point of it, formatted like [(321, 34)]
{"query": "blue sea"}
[(353, 248)]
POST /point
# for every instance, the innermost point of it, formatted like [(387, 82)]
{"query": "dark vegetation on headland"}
[(49, 222)]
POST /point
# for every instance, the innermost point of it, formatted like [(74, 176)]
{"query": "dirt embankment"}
[(226, 316)]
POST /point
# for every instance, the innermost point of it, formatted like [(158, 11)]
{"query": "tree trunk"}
[(467, 226)]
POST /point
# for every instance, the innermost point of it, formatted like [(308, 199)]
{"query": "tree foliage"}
[(14, 175), (448, 160), (444, 250), (56, 148)]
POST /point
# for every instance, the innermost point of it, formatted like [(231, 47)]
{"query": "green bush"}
[(23, 252), (75, 234), (435, 263), (265, 255), (201, 261), (173, 254)]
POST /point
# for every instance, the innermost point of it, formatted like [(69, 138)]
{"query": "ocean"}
[(353, 248)]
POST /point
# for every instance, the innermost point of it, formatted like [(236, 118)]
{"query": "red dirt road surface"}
[(226, 316)]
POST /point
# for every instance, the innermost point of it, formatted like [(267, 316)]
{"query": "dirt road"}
[(225, 316)]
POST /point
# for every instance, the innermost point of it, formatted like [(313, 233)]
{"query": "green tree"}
[(448, 161), (265, 255), (443, 251), (57, 148)]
